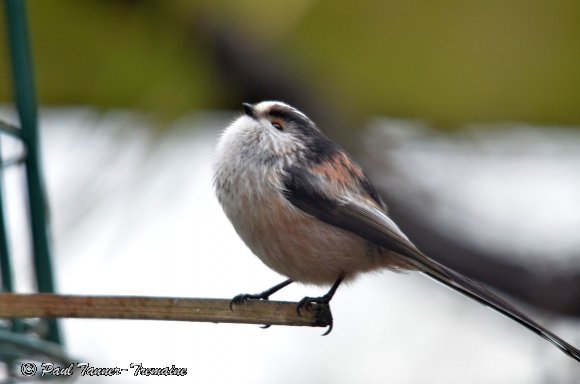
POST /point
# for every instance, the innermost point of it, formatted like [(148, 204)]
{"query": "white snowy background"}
[(133, 213)]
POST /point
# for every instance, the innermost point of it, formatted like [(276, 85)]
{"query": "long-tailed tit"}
[(310, 213)]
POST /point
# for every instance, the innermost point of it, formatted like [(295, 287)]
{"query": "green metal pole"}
[(27, 111), (5, 265)]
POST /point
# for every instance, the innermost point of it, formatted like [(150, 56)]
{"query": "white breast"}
[(285, 238)]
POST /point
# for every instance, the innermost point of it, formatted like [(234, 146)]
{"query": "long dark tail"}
[(479, 293), (355, 214)]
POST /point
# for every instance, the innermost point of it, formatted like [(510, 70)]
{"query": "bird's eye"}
[(277, 125)]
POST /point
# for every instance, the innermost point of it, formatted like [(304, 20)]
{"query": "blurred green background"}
[(448, 62)]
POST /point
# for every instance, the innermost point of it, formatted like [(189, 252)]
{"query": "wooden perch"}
[(161, 308)]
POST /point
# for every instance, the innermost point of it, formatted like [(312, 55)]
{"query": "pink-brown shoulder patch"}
[(339, 169)]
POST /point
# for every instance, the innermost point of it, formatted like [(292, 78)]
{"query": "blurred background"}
[(465, 114)]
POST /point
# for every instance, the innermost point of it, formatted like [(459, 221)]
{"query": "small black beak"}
[(249, 110)]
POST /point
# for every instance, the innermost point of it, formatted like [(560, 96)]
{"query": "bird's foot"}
[(306, 303), (243, 297)]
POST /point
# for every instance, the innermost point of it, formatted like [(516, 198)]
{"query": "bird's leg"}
[(325, 299), (243, 297)]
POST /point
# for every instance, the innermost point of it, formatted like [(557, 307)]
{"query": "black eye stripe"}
[(289, 115)]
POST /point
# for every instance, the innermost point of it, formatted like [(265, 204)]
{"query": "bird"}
[(310, 213)]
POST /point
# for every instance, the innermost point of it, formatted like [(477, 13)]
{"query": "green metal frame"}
[(26, 105)]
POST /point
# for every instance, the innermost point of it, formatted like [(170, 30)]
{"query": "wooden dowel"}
[(161, 308)]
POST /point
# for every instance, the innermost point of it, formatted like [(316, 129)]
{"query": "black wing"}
[(304, 190)]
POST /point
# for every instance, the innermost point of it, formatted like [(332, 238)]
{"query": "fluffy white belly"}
[(298, 245)]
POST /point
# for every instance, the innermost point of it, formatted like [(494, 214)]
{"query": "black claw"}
[(328, 330), (303, 304), (243, 297), (307, 302)]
